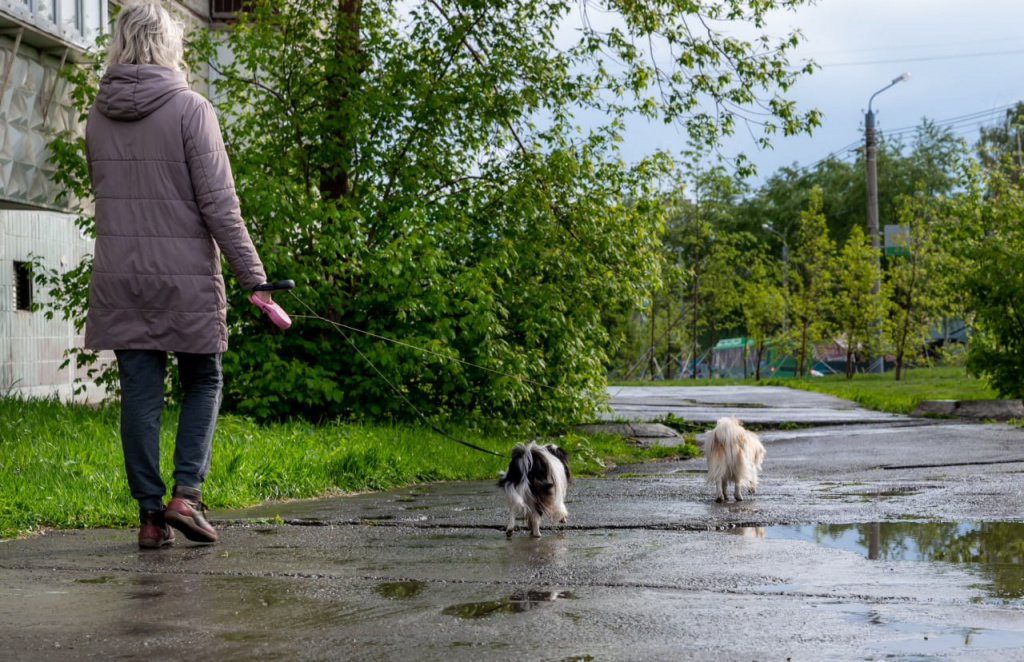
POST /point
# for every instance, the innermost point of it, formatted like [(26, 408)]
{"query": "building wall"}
[(31, 346)]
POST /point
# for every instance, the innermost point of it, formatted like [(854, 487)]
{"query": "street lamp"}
[(877, 364), (785, 270)]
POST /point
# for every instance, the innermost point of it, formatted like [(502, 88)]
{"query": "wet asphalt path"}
[(648, 567)]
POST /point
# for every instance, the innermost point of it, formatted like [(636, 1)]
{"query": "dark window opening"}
[(22, 286), (228, 8)]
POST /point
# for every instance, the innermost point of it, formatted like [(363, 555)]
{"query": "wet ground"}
[(900, 539)]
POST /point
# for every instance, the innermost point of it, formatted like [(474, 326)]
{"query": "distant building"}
[(37, 39)]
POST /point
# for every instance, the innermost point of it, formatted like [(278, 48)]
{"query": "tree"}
[(856, 304), (985, 235), (764, 307), (811, 280), (419, 171), (918, 282), (1001, 146)]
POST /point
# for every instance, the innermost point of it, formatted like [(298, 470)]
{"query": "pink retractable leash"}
[(273, 311)]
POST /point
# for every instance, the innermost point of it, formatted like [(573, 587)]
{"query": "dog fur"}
[(535, 485), (734, 456)]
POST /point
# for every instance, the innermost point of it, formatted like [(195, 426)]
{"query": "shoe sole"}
[(188, 527)]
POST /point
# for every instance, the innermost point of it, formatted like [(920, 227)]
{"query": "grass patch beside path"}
[(61, 466), (880, 392)]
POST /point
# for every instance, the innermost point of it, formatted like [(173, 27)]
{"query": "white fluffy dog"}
[(734, 456), (535, 485)]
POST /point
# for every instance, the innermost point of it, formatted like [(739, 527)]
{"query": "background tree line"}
[(787, 265)]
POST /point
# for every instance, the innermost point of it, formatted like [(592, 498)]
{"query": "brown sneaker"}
[(154, 532), (185, 513)]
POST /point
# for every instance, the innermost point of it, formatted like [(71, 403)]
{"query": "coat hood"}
[(133, 91)]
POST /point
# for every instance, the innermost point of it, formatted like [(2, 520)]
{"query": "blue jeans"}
[(142, 374)]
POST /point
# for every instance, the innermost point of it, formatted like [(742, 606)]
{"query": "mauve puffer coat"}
[(165, 202)]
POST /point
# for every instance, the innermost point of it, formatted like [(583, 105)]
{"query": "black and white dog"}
[(535, 485)]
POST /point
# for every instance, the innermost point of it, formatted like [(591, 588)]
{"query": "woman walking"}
[(165, 210)]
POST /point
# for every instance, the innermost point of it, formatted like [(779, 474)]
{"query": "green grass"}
[(61, 466), (880, 392)]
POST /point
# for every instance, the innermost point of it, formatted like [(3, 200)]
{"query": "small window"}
[(22, 286), (228, 8)]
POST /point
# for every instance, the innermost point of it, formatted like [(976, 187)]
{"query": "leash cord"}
[(423, 350), (435, 428)]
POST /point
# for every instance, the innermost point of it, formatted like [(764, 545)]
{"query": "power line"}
[(950, 123), (905, 47), (931, 58)]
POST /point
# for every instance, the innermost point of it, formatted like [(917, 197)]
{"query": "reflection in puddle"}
[(954, 542), (103, 579), (400, 590), (517, 603), (993, 549), (927, 640)]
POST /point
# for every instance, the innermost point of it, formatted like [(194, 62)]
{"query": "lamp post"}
[(877, 364), (785, 270)]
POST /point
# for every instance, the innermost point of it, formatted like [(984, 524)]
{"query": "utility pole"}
[(876, 364)]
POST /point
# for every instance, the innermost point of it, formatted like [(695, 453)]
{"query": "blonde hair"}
[(145, 33)]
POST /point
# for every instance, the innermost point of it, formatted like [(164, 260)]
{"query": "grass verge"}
[(61, 465), (878, 391), (881, 392)]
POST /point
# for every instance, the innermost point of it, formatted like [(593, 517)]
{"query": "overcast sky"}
[(965, 59)]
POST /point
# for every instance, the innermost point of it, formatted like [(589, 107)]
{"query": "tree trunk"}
[(803, 348), (654, 318), (696, 308), (335, 181)]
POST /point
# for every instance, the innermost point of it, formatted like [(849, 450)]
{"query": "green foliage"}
[(1001, 147), (927, 165), (856, 302), (811, 278), (393, 163), (985, 235), (419, 172), (918, 284), (764, 307)]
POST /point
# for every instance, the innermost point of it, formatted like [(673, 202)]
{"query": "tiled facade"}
[(37, 37)]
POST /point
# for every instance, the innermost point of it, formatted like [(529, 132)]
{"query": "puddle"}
[(927, 641), (992, 550), (517, 603), (885, 494)]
